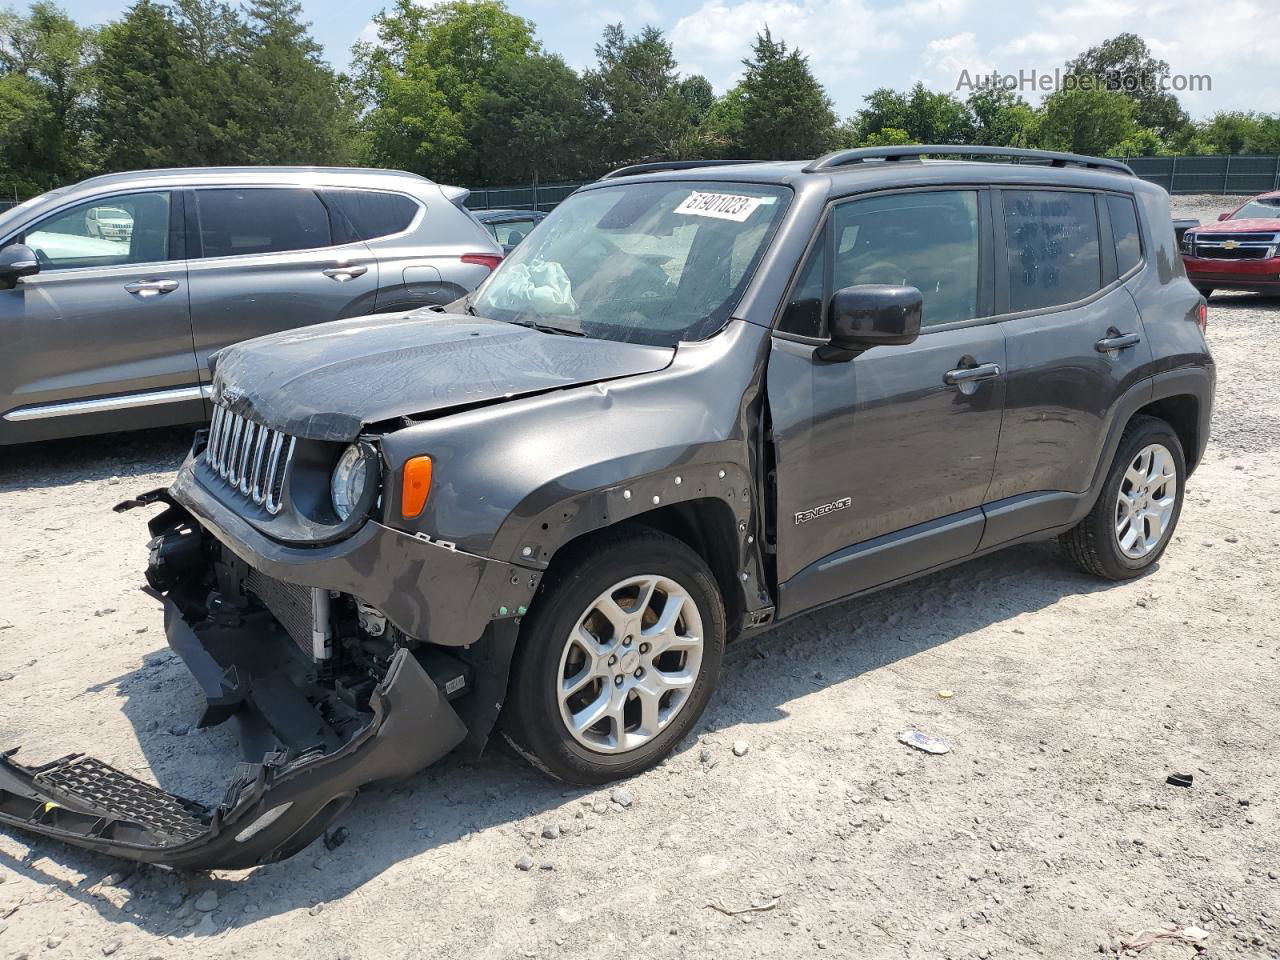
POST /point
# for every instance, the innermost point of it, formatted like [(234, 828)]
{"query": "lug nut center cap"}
[(630, 661)]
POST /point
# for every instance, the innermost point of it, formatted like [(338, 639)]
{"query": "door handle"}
[(1121, 341), (345, 272), (151, 288), (962, 375)]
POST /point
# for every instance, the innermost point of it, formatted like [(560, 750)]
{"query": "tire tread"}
[(1081, 543)]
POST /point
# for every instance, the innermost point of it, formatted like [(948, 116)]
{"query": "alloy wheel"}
[(630, 663), (1145, 502)]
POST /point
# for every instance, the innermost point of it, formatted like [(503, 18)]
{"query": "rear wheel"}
[(617, 659), (1205, 292), (1134, 518)]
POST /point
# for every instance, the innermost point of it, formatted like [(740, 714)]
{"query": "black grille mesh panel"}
[(127, 798)]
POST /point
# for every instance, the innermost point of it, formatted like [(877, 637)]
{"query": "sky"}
[(855, 46)]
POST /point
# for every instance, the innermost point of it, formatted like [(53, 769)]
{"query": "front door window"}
[(113, 231)]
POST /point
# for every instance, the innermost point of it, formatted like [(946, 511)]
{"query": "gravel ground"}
[(1047, 831)]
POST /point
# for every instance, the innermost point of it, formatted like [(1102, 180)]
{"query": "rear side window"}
[(1053, 248), (373, 213), (261, 220), (1124, 228)]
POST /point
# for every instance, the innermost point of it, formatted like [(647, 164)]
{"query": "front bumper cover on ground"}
[(312, 749), (271, 810)]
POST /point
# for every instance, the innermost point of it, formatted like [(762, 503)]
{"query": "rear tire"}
[(628, 633), (1205, 292), (1137, 511)]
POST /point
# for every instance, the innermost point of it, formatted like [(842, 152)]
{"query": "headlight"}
[(349, 479)]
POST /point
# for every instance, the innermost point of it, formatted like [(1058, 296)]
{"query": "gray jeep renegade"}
[(699, 400)]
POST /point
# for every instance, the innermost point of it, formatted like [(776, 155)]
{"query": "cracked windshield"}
[(651, 263)]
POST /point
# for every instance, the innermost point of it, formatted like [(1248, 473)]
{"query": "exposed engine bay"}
[(326, 692)]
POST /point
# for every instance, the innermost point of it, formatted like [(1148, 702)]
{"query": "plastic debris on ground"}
[(923, 741), (1192, 936)]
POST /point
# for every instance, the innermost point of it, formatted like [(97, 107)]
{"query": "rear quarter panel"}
[(1164, 296)]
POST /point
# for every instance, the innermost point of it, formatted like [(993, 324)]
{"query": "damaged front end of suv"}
[(347, 650), (353, 546)]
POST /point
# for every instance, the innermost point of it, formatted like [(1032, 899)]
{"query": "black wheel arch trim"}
[(547, 522)]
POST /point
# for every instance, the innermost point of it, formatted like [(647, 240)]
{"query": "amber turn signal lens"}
[(415, 485)]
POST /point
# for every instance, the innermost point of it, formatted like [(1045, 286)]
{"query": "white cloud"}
[(948, 59), (844, 39), (1088, 11)]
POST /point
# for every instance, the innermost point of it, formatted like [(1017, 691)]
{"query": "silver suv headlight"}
[(350, 477)]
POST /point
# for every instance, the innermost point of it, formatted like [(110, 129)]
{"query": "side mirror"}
[(871, 315), (1225, 216), (17, 261)]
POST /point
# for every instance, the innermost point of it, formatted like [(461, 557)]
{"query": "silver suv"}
[(114, 291)]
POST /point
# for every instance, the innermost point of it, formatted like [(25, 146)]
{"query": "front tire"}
[(1137, 511), (617, 658)]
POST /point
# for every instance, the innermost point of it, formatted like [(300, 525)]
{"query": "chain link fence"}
[(531, 196)]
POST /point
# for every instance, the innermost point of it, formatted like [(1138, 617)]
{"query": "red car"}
[(1239, 252)]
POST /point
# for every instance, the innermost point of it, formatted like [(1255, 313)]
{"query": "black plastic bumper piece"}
[(272, 809)]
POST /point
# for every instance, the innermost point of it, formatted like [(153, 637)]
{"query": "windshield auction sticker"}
[(721, 206)]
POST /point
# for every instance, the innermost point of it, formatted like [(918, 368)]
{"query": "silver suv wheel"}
[(630, 663), (1145, 502)]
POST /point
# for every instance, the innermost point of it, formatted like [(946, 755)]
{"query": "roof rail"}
[(841, 158), (636, 168)]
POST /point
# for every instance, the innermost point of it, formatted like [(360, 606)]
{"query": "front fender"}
[(519, 480)]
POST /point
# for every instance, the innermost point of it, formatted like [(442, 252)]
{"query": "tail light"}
[(1202, 316), (490, 260)]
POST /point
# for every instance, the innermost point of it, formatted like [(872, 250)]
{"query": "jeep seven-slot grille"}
[(251, 458)]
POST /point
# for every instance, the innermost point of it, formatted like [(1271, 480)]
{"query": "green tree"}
[(424, 81), (1087, 120), (721, 129), (696, 92), (134, 77), (786, 114), (289, 103), (1233, 131), (1126, 64), (195, 122), (634, 91), (45, 87), (925, 116), (1001, 118), (532, 124), (1143, 142), (887, 137)]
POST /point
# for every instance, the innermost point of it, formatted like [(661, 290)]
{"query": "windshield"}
[(652, 263), (1263, 208)]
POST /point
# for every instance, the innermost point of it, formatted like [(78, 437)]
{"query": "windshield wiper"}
[(549, 328)]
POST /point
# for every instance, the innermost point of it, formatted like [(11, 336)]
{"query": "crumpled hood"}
[(328, 381)]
